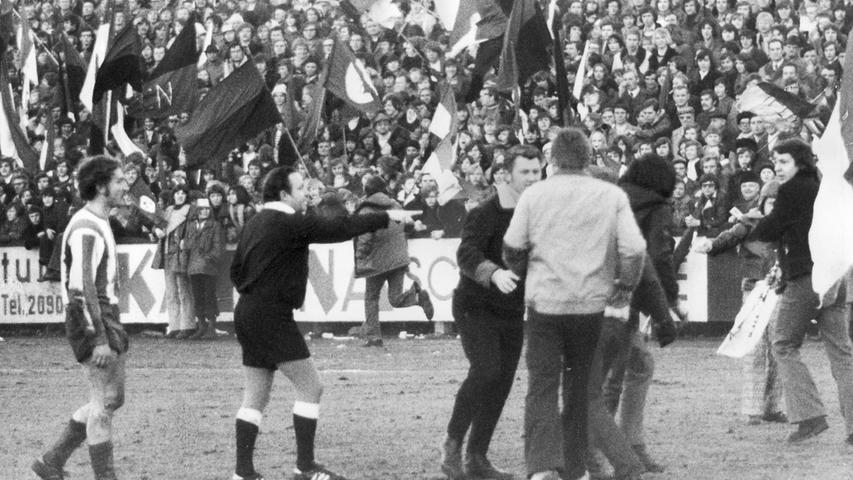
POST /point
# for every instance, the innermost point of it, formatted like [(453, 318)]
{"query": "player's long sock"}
[(247, 426), (305, 417), (101, 455), (72, 436)]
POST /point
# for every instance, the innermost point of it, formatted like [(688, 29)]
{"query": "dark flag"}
[(521, 59), (171, 88), (563, 92), (13, 140), (488, 54), (348, 80), (6, 27), (122, 64), (71, 78), (236, 109)]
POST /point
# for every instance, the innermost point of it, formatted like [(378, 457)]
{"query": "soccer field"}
[(383, 415)]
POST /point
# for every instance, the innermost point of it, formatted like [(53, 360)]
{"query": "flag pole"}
[(298, 153), (38, 40)]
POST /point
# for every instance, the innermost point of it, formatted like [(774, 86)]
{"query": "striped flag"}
[(831, 233), (767, 100), (440, 163), (29, 68)]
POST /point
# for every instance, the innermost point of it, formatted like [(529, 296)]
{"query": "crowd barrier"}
[(710, 287)]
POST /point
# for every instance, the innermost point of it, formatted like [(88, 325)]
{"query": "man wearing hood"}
[(383, 256), (488, 309)]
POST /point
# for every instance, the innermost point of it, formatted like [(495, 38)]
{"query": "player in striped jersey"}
[(98, 340)]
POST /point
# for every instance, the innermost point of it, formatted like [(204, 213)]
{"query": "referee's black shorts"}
[(268, 335)]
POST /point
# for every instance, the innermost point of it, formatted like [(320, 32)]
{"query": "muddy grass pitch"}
[(383, 415)]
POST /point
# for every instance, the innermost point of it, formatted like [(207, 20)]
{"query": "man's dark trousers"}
[(492, 339), (558, 346)]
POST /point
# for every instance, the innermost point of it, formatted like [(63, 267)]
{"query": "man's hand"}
[(160, 233), (703, 246), (51, 233), (403, 216), (102, 356), (692, 222), (505, 280), (621, 298)]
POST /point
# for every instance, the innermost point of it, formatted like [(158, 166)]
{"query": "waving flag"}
[(13, 140), (348, 80), (470, 22), (235, 110), (525, 45), (440, 163), (831, 233), (766, 99), (171, 87), (29, 68)]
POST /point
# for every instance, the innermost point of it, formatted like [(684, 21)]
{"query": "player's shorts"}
[(268, 335), (82, 337)]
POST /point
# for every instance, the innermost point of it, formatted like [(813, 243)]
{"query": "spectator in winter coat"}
[(205, 248), (383, 257), (710, 213), (171, 258)]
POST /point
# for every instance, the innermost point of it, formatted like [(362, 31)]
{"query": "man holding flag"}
[(789, 224)]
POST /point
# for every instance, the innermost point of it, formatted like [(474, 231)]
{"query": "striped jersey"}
[(89, 251)]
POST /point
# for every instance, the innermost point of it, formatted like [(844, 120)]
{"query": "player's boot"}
[(478, 466), (254, 476), (451, 459), (47, 472), (316, 472)]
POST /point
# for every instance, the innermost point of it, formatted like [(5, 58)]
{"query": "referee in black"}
[(270, 271), (488, 308)]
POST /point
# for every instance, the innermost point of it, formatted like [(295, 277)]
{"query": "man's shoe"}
[(184, 334), (648, 462), (47, 472), (753, 420), (775, 417), (254, 476), (317, 472), (200, 331), (808, 429), (374, 342), (357, 331), (550, 475), (426, 304), (478, 466), (850, 439), (451, 459)]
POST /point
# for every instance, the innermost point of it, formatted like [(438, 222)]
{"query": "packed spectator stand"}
[(666, 78)]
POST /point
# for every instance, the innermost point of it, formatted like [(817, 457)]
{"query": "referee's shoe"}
[(254, 476), (317, 472)]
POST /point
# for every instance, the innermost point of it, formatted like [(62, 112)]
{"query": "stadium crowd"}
[(663, 77)]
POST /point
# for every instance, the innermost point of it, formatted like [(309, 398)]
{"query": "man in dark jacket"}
[(383, 256), (789, 224), (488, 308), (270, 271), (623, 350)]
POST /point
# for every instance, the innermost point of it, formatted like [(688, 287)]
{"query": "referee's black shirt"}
[(271, 261)]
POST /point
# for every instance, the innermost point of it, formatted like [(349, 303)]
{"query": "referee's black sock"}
[(72, 437), (247, 433), (305, 426)]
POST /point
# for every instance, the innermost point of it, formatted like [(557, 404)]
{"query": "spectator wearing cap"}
[(389, 138), (205, 248), (382, 257)]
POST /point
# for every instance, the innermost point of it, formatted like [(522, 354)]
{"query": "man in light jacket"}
[(576, 239)]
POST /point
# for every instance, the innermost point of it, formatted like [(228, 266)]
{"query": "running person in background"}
[(488, 308), (98, 340), (270, 271)]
